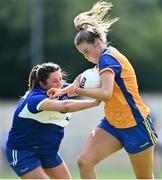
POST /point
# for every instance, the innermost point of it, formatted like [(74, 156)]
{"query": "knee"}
[(84, 161)]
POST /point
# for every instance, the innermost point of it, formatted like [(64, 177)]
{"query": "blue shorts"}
[(23, 162), (134, 139)]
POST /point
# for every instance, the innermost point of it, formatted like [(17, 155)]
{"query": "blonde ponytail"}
[(96, 19)]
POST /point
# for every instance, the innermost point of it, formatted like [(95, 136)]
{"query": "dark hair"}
[(40, 73)]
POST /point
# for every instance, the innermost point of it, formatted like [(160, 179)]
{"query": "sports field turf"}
[(105, 174)]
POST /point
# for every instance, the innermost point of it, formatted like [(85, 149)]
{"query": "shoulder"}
[(107, 57), (35, 98), (108, 61)]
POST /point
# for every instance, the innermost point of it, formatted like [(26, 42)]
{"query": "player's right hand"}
[(54, 92)]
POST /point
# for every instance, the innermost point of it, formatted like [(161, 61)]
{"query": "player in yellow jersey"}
[(126, 123)]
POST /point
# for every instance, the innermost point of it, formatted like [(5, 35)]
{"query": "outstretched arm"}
[(102, 93), (67, 105)]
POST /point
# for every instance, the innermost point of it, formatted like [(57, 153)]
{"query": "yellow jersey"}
[(125, 108)]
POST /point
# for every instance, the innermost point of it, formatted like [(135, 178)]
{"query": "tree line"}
[(138, 35)]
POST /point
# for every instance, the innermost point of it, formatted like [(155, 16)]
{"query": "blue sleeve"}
[(65, 84), (34, 101), (65, 96), (108, 61)]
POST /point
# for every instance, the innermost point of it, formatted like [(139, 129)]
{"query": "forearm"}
[(97, 93), (76, 105), (67, 105)]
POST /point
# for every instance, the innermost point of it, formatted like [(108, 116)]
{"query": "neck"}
[(102, 48)]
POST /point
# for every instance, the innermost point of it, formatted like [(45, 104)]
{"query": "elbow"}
[(106, 96), (65, 109)]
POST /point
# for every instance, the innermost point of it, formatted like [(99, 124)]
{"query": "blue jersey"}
[(34, 129)]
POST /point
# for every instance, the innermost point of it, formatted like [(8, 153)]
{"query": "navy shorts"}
[(134, 139), (23, 162)]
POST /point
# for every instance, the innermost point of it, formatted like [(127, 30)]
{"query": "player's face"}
[(90, 51), (54, 80)]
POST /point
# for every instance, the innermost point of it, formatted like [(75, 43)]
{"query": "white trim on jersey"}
[(46, 117), (39, 104)]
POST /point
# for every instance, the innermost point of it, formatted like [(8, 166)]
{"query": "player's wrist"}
[(76, 90)]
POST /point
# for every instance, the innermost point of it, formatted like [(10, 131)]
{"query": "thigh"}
[(37, 173), (54, 166), (99, 145), (59, 172), (142, 163), (50, 160)]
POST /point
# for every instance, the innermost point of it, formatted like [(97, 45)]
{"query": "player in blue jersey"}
[(38, 126)]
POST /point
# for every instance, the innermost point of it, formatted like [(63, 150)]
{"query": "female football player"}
[(126, 123), (38, 126)]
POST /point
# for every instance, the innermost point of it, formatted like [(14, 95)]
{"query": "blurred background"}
[(37, 31)]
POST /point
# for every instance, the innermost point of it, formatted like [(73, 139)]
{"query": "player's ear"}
[(97, 42), (42, 84)]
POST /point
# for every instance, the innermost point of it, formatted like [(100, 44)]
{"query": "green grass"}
[(8, 175), (101, 174), (111, 174)]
